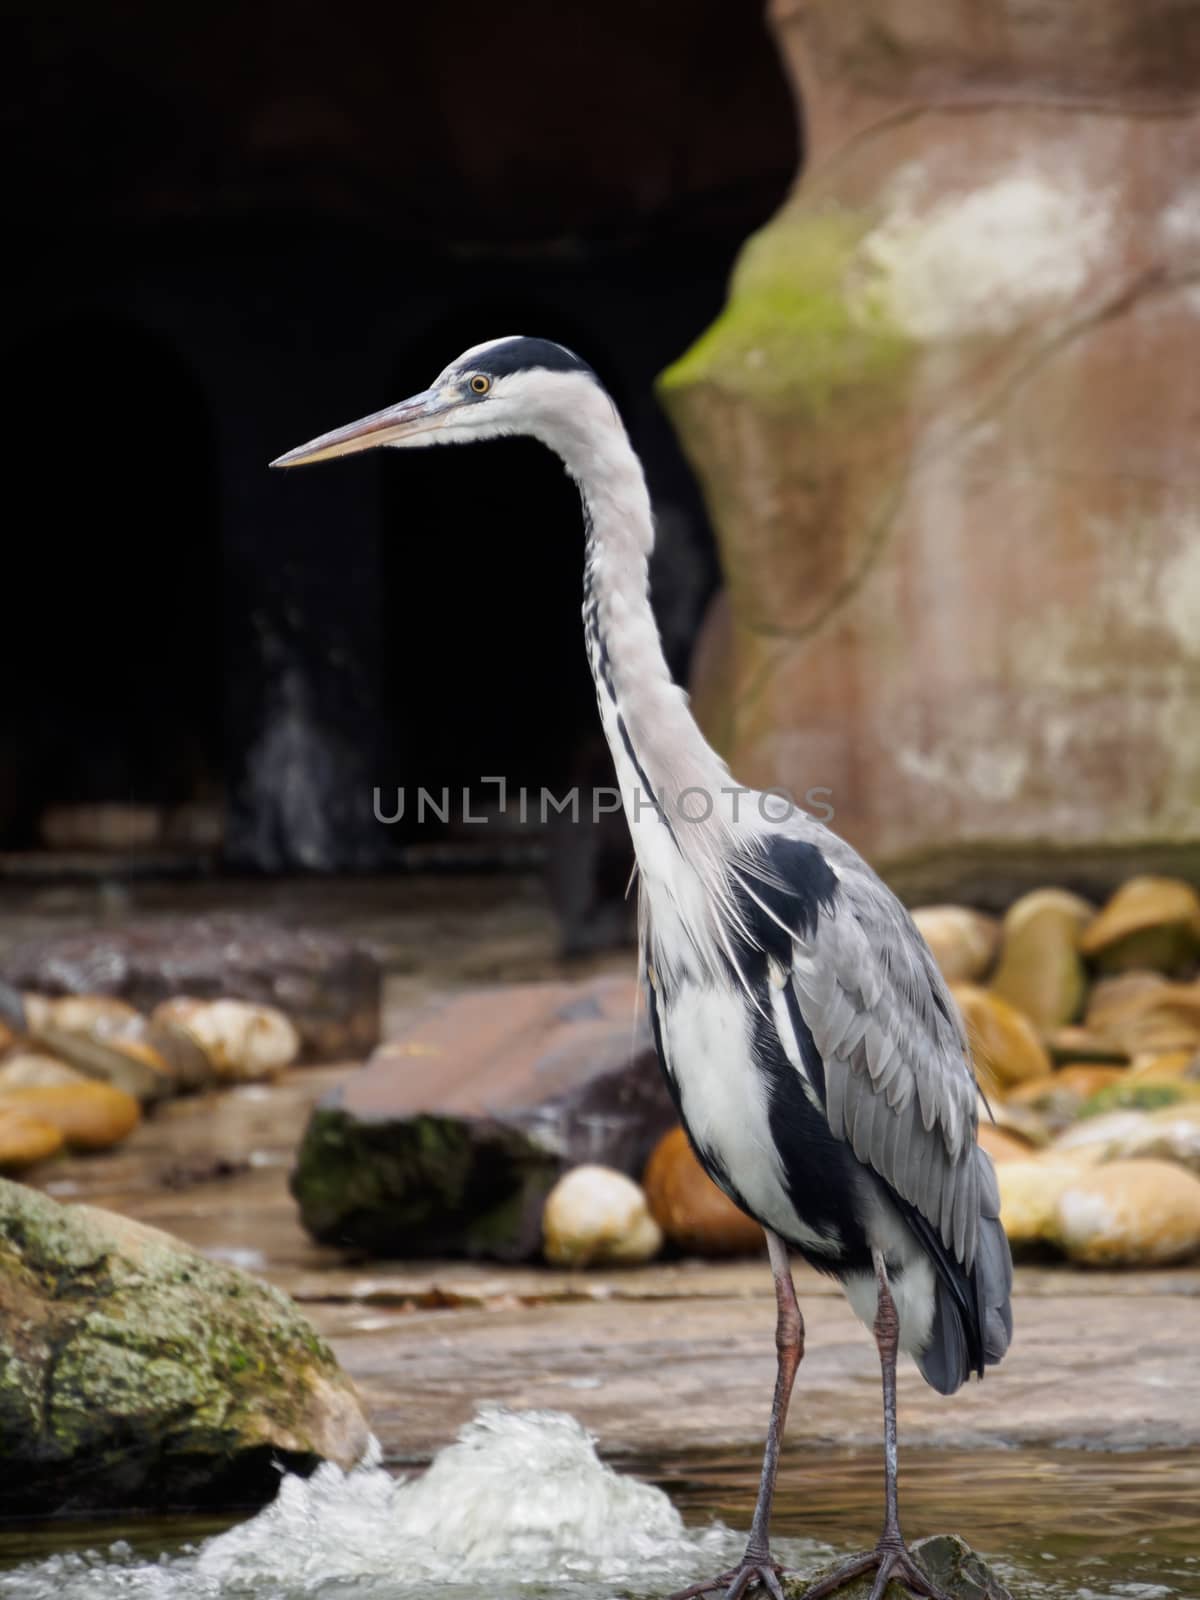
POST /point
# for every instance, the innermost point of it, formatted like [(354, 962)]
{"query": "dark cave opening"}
[(219, 266), (112, 648)]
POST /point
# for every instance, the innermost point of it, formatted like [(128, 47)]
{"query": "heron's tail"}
[(972, 1330)]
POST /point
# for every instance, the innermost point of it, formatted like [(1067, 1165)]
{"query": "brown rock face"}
[(943, 426)]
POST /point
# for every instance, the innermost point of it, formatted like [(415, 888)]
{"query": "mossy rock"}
[(1136, 1094), (138, 1374), (800, 326), (423, 1186), (947, 1559)]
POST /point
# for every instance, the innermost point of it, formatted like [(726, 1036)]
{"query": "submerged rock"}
[(595, 1216), (449, 1140), (947, 1559), (139, 1373)]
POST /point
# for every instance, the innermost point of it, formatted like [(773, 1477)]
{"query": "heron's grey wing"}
[(899, 1086)]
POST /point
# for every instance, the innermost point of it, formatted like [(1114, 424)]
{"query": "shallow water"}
[(521, 1506)]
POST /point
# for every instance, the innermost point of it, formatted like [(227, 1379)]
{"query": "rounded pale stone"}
[(1172, 1133), (1104, 1132), (1041, 971), (1130, 1213), (596, 1215), (242, 1041), (1114, 1000), (81, 1013), (964, 942), (30, 1069), (1029, 1192)]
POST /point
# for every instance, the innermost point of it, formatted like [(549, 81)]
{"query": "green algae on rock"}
[(947, 1559), (137, 1373), (793, 326), (449, 1139)]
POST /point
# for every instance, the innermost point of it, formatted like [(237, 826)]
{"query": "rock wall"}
[(947, 428)]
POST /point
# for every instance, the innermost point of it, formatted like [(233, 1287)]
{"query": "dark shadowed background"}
[(232, 228)]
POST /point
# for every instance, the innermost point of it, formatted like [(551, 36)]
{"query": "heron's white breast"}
[(707, 1042)]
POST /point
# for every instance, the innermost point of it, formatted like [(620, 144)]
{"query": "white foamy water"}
[(520, 1503)]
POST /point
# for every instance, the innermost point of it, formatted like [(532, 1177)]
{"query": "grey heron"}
[(816, 1058)]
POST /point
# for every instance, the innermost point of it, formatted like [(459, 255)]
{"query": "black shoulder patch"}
[(526, 355), (784, 893)]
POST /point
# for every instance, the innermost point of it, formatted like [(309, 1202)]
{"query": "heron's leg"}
[(789, 1349), (757, 1566), (887, 1342), (890, 1558)]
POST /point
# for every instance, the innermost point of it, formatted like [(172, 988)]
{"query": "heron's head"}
[(506, 386)]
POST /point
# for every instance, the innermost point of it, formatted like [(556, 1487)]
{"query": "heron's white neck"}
[(651, 732)]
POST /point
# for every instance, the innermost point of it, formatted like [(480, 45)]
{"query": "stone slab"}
[(449, 1139), (693, 1372)]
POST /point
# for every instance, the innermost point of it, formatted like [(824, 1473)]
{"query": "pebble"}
[(1172, 1133), (1041, 971), (25, 1139), (963, 942), (1130, 1213), (101, 1037), (28, 1069), (1170, 1068), (1105, 1132), (89, 1116), (1059, 1097), (1150, 923), (689, 1208), (78, 1013), (598, 1216), (1004, 1043), (1002, 1146), (1029, 1192), (242, 1041)]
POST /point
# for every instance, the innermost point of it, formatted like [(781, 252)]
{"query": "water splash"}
[(519, 1504)]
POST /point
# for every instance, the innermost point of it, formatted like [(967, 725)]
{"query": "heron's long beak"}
[(418, 415)]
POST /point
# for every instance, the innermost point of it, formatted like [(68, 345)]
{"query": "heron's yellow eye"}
[(480, 384)]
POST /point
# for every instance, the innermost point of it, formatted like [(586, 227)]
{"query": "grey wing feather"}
[(898, 1079)]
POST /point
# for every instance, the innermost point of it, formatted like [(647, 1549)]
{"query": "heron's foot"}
[(889, 1559), (738, 1581)]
